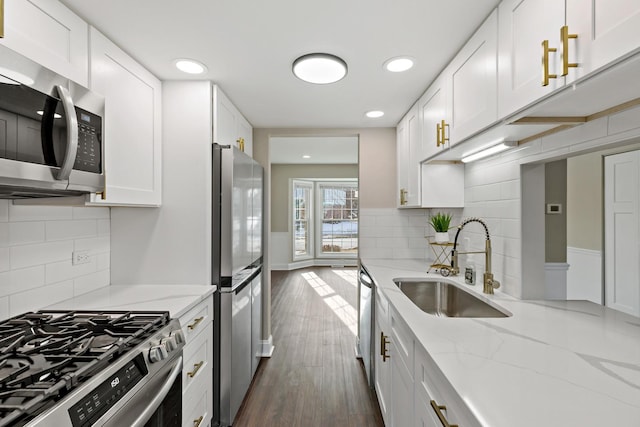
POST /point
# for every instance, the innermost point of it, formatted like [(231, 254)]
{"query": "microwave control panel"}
[(89, 156)]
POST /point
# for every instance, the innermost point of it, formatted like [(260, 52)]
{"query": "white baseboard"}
[(584, 278), (555, 274), (267, 347), (350, 262)]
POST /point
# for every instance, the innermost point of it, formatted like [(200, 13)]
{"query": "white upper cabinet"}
[(434, 118), (50, 34), (473, 82), (523, 27), (409, 155), (132, 125), (606, 30), (229, 125)]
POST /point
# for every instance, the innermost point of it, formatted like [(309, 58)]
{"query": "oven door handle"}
[(162, 393)]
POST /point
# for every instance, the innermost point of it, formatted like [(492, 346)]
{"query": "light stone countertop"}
[(176, 299), (552, 363)]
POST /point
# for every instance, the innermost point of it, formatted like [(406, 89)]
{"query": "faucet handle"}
[(495, 284)]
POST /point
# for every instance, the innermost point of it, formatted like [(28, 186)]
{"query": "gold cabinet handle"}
[(441, 137), (195, 323), (240, 142), (196, 368), (545, 63), (196, 422), (565, 36), (438, 409), (403, 197), (383, 347)]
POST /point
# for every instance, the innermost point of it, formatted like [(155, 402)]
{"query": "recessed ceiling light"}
[(399, 64), (306, 156), (374, 114), (319, 68), (190, 66)]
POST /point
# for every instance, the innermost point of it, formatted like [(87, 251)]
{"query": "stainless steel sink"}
[(446, 300)]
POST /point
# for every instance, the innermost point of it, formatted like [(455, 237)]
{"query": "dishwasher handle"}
[(162, 393), (365, 279)]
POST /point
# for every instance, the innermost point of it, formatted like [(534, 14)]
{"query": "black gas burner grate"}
[(46, 354)]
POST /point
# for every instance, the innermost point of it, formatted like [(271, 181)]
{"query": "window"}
[(338, 230), (332, 223), (302, 219)]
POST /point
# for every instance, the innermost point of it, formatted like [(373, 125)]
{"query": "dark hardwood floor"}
[(313, 377)]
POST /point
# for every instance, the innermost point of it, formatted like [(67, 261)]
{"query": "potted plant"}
[(440, 223)]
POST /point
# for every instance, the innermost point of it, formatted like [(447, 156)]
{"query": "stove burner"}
[(46, 354)]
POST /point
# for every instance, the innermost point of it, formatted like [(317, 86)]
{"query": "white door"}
[(621, 216)]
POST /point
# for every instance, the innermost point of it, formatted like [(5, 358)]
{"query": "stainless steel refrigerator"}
[(237, 216)]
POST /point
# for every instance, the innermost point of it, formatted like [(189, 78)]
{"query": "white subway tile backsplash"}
[(395, 233), (4, 307), (62, 230), (4, 210), (65, 270), (94, 245), (93, 213), (39, 213), (35, 299), (5, 265), (90, 282), (22, 233), (104, 227), (22, 279), (41, 253), (36, 246), (104, 261), (4, 234)]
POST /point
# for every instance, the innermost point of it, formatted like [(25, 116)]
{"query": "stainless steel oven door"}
[(158, 403)]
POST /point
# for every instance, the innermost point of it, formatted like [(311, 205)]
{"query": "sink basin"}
[(446, 300)]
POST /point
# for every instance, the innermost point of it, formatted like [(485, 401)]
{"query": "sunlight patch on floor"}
[(345, 311), (350, 276)]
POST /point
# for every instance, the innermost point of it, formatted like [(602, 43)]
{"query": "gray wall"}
[(556, 224), (584, 201), (280, 176)]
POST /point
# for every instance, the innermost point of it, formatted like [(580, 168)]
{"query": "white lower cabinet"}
[(382, 363), (197, 367), (411, 389)]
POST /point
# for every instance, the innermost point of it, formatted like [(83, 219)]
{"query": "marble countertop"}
[(552, 363), (176, 299)]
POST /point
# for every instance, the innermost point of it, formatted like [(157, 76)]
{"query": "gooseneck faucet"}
[(489, 283)]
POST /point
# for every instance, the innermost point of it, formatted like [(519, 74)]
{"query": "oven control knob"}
[(157, 353), (178, 336), (169, 342)]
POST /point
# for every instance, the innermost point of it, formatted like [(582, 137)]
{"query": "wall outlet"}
[(81, 257)]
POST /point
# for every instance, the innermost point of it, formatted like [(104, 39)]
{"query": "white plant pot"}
[(442, 237)]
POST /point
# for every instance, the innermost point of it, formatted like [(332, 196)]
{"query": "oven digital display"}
[(106, 395)]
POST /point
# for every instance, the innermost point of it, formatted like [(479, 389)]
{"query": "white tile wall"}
[(36, 246), (397, 233)]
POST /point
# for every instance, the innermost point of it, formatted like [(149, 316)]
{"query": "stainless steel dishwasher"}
[(366, 321)]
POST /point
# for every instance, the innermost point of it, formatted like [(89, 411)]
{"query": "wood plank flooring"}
[(313, 377)]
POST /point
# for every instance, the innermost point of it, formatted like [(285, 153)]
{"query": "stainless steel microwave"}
[(51, 132)]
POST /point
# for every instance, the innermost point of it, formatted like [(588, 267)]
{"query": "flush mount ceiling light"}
[(374, 114), (490, 149), (398, 64), (319, 68), (306, 156), (190, 66)]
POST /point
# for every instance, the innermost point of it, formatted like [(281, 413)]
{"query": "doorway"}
[(314, 201)]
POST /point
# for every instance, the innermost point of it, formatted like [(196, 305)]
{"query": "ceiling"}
[(321, 150), (249, 46)]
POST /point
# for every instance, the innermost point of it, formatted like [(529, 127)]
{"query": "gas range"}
[(81, 368)]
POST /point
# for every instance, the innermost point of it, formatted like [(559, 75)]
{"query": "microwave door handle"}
[(72, 133), (160, 395)]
